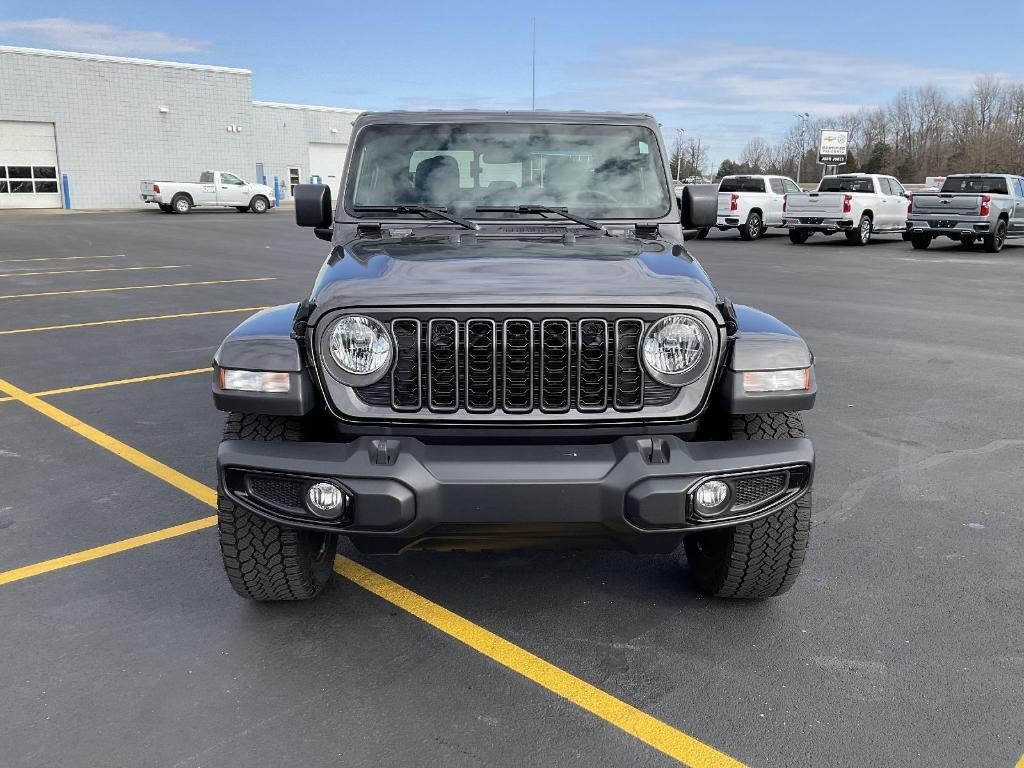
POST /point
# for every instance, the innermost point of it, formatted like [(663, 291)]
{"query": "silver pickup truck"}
[(970, 206)]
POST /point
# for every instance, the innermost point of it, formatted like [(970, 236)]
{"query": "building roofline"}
[(121, 60), (305, 107)]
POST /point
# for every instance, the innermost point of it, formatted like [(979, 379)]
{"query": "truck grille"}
[(516, 365)]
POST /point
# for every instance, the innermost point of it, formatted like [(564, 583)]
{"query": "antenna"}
[(533, 75)]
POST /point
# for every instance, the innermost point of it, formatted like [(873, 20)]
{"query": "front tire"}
[(994, 242), (862, 234), (799, 236), (259, 204), (264, 560), (762, 558), (754, 227)]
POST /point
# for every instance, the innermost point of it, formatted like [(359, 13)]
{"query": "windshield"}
[(599, 171), (980, 185), (741, 184), (847, 184)]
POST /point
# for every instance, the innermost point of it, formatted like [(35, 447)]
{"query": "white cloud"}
[(69, 34)]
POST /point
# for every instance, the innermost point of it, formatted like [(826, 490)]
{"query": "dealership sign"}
[(832, 147)]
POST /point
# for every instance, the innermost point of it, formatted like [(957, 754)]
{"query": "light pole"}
[(803, 117), (679, 153)]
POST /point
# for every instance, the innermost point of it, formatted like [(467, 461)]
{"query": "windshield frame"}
[(346, 213)]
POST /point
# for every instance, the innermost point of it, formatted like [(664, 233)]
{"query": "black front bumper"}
[(403, 493)]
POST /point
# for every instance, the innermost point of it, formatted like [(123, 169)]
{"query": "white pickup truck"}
[(751, 204), (214, 188), (857, 204)]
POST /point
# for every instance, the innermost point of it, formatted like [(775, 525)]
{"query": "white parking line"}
[(62, 258)]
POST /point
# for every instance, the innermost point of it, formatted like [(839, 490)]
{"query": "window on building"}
[(26, 180)]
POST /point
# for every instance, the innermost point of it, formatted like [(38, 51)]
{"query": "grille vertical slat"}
[(629, 375), (443, 365), (481, 346), (406, 384), (555, 365), (517, 365), (592, 365)]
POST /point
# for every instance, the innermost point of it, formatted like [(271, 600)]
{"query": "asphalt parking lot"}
[(901, 644)]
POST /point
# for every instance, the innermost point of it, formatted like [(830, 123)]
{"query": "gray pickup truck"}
[(509, 346), (970, 207)]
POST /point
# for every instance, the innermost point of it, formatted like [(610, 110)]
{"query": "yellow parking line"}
[(1020, 763), (134, 288), (128, 320), (627, 718), (76, 558), (114, 383), (61, 258), (94, 269)]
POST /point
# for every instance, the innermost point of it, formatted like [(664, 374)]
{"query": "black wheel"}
[(799, 236), (862, 234), (259, 204), (242, 208), (165, 207), (702, 233), (762, 558), (754, 227), (994, 242), (181, 204), (263, 560), (921, 242)]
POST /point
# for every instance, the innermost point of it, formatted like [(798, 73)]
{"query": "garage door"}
[(28, 165), (327, 161)]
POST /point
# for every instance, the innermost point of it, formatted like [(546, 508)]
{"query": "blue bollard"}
[(66, 190), (277, 192)]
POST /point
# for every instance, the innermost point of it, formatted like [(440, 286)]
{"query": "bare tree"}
[(755, 154)]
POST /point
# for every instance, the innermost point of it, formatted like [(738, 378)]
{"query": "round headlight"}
[(674, 346), (360, 345)]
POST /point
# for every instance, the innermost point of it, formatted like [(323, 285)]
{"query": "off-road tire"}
[(753, 228), (862, 234), (921, 242), (799, 236), (994, 242), (181, 204), (263, 560), (259, 204), (762, 558)]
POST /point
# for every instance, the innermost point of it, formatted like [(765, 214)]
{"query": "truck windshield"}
[(597, 171), (741, 184), (846, 184), (978, 185)]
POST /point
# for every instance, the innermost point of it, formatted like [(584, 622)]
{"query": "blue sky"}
[(724, 71)]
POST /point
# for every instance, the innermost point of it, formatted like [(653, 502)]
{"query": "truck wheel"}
[(166, 208), (994, 242), (181, 204), (921, 242), (862, 234), (242, 208), (702, 233), (799, 236), (762, 558), (263, 560), (259, 204), (754, 227)]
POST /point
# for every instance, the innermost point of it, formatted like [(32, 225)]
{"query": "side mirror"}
[(313, 208), (699, 206)]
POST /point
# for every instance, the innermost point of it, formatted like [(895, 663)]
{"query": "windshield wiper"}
[(441, 213), (563, 212)]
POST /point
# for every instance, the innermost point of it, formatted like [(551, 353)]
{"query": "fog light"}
[(711, 497), (325, 500)]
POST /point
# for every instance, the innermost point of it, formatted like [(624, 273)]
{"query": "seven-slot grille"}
[(516, 365)]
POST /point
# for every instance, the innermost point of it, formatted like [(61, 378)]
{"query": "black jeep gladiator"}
[(509, 346)]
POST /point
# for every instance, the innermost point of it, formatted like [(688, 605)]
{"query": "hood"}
[(470, 270)]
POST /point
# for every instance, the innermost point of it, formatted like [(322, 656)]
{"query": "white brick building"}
[(107, 122)]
